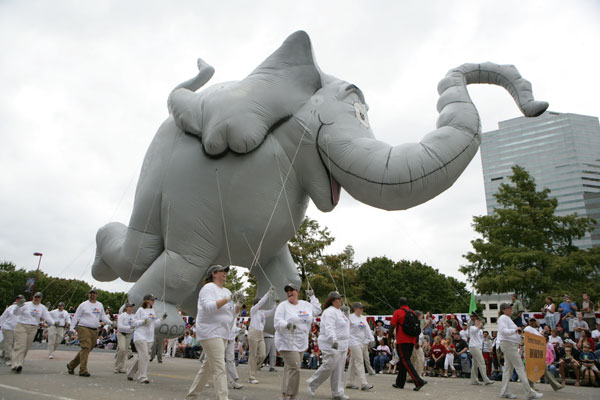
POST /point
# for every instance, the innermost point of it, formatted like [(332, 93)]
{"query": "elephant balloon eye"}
[(361, 114)]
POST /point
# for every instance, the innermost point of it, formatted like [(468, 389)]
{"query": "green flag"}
[(473, 303)]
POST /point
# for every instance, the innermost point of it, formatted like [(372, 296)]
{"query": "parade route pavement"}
[(44, 379)]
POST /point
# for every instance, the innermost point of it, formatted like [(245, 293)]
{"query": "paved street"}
[(48, 379)]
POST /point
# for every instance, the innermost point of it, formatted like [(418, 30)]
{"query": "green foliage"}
[(384, 281), (72, 292), (527, 249)]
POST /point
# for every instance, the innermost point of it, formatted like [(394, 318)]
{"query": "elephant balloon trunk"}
[(400, 177)]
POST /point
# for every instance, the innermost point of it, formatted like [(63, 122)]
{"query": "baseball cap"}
[(129, 305), (504, 306), (149, 296), (38, 294), (61, 304), (20, 297), (216, 268), (291, 286), (93, 290), (358, 304), (334, 295)]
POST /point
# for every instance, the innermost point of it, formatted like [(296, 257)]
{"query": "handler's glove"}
[(238, 297), (164, 316), (334, 345), (56, 323), (291, 326), (147, 321), (345, 310), (309, 293), (273, 293), (20, 302)]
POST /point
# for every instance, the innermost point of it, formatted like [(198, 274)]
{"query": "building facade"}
[(561, 151)]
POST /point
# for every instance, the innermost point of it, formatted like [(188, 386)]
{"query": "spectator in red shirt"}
[(438, 356), (404, 346)]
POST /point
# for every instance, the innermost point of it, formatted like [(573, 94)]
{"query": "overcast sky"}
[(83, 89)]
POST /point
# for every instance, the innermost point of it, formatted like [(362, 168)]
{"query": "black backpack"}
[(411, 325)]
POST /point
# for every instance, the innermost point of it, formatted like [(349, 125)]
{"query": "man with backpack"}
[(406, 324)]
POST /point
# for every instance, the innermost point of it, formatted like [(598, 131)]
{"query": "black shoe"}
[(417, 388), (129, 357), (160, 361), (69, 370), (129, 378), (397, 386), (146, 381), (86, 374)]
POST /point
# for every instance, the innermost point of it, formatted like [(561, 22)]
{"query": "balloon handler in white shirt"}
[(28, 318), (145, 322), (509, 337), (256, 341), (56, 332), (125, 326), (8, 322), (292, 321), (86, 320), (216, 311), (360, 334), (476, 350), (333, 342)]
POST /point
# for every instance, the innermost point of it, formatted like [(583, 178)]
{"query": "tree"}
[(526, 248), (383, 282)]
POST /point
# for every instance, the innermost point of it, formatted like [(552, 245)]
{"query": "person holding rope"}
[(125, 326), (216, 310), (8, 322), (406, 341), (293, 319), (360, 335), (28, 319), (145, 322), (476, 350), (509, 337), (256, 341), (86, 321), (56, 332), (333, 342)]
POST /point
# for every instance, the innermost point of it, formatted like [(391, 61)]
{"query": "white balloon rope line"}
[(288, 205), (223, 215), (165, 251), (258, 262)]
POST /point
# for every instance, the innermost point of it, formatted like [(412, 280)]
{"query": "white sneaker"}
[(341, 397), (366, 387), (8, 362), (535, 395), (508, 396), (51, 356), (351, 386), (235, 385), (310, 391), (253, 381)]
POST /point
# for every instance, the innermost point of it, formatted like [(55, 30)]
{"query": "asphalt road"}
[(46, 379)]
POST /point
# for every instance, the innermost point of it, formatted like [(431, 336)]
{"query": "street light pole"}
[(36, 273)]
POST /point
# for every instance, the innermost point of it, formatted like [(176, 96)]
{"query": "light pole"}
[(36, 273)]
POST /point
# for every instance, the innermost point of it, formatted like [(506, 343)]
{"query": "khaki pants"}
[(55, 337), (512, 360), (8, 343), (291, 372), (140, 365), (123, 340), (367, 359), (478, 364), (24, 335), (257, 353), (356, 366), (87, 340), (230, 361), (212, 366), (332, 368)]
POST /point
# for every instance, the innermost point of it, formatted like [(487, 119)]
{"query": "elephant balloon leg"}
[(174, 325)]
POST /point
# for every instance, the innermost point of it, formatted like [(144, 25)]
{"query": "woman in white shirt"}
[(256, 341), (145, 323), (509, 337), (360, 333), (293, 319), (476, 350), (333, 342), (125, 325), (549, 310), (214, 320)]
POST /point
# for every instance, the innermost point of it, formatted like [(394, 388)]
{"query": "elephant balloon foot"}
[(174, 325)]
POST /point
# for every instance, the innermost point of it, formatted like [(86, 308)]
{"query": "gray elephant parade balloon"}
[(229, 174)]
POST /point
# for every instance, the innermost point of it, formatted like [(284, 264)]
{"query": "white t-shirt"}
[(30, 314), (596, 334), (145, 332), (62, 317), (335, 327), (532, 330), (476, 336), (213, 322), (507, 330), (464, 335), (258, 316), (8, 320), (360, 332), (125, 322), (555, 340), (235, 330), (547, 310), (302, 315), (89, 314)]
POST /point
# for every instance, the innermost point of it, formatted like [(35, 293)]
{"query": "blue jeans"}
[(380, 362), (313, 363)]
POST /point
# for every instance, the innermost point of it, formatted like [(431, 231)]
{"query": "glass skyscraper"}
[(561, 151)]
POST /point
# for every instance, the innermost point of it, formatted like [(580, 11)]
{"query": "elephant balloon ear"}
[(239, 115)]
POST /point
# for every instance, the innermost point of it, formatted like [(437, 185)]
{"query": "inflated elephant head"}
[(325, 120)]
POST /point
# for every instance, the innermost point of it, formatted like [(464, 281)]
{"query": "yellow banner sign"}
[(535, 356)]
